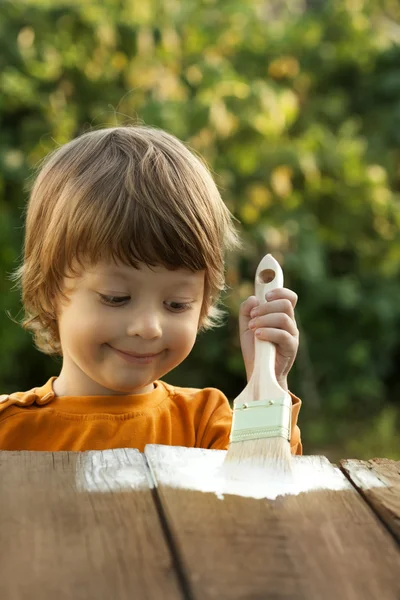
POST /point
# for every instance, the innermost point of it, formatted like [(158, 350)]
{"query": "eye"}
[(178, 306), (114, 300)]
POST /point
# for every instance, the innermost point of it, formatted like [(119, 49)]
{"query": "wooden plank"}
[(251, 540), (379, 481), (82, 526)]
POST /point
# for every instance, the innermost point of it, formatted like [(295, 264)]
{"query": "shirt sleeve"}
[(216, 422), (217, 432), (296, 447)]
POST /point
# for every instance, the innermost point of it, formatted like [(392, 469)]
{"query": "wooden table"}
[(118, 524)]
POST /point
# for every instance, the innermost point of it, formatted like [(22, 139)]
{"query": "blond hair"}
[(132, 193)]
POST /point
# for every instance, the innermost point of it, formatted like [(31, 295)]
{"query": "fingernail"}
[(270, 295), (252, 323), (254, 312), (258, 332)]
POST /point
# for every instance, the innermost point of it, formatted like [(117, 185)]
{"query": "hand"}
[(275, 323)]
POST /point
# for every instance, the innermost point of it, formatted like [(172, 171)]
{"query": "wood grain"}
[(312, 545), (384, 496), (81, 526)]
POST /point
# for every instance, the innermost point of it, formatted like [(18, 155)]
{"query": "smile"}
[(141, 359)]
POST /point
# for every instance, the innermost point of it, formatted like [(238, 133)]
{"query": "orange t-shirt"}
[(169, 415)]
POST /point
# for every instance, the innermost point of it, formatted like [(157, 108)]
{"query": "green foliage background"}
[(298, 114)]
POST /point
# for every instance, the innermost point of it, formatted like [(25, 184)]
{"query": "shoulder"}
[(209, 412), (212, 397), (38, 395)]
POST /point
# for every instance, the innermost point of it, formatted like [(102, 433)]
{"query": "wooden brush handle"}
[(269, 276)]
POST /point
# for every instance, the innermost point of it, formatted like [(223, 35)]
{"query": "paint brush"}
[(260, 434)]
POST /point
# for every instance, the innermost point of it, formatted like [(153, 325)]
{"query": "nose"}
[(146, 324)]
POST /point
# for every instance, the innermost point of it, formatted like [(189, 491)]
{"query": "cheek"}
[(183, 337), (78, 325)]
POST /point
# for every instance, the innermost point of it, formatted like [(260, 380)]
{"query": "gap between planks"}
[(177, 558), (320, 541), (378, 482), (81, 525)]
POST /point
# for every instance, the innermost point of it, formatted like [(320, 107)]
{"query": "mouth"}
[(135, 357)]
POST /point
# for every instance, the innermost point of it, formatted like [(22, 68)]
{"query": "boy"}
[(123, 263)]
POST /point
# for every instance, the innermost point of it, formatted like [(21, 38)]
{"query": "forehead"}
[(157, 275)]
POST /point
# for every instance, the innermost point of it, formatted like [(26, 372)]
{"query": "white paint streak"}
[(202, 470), (365, 477), (112, 470)]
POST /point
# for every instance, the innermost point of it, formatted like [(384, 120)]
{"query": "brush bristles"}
[(271, 457)]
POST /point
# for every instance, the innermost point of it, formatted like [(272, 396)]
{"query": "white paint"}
[(365, 477), (112, 470), (202, 470)]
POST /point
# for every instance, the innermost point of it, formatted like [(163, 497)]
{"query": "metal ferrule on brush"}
[(262, 419)]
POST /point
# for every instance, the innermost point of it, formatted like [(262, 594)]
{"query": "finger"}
[(244, 313), (275, 320), (281, 293), (287, 343), (246, 306), (275, 306)]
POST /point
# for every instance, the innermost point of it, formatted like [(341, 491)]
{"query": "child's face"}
[(123, 328)]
